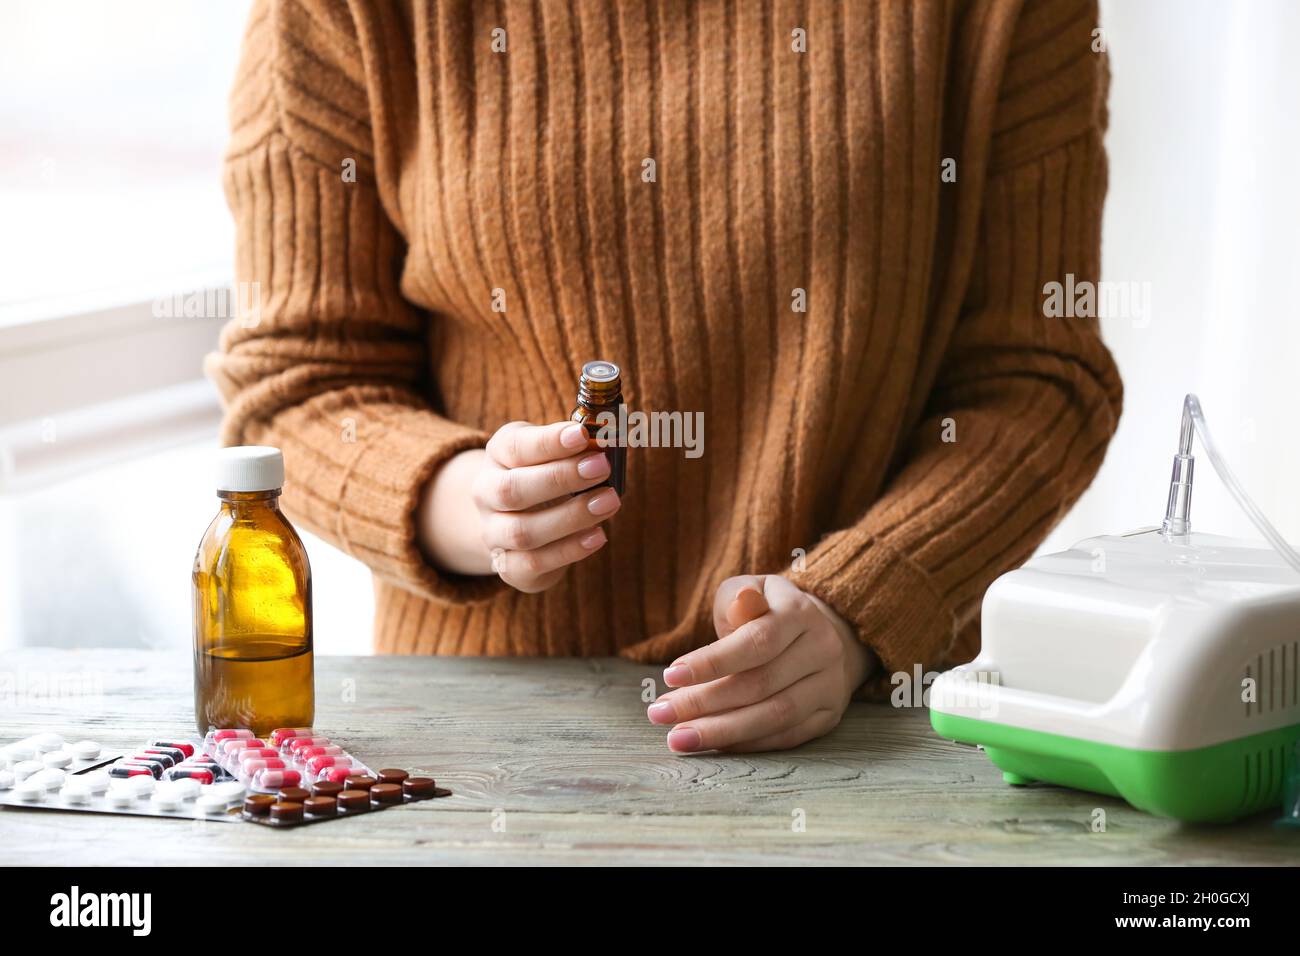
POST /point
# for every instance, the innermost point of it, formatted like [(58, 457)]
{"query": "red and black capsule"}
[(203, 775), (186, 748)]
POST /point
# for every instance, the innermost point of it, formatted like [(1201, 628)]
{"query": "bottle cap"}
[(600, 372), (250, 468)]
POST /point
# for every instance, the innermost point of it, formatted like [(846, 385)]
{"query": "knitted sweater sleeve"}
[(1025, 401), (326, 356)]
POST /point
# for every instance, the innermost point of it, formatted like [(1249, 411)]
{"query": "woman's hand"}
[(508, 508), (781, 672)]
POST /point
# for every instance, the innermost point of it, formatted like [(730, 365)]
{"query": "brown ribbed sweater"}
[(378, 353)]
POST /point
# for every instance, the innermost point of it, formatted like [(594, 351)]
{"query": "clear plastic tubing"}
[(1178, 510)]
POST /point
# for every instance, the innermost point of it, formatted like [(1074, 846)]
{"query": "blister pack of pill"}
[(293, 777), (42, 762)]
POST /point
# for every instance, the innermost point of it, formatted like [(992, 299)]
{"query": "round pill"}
[(56, 758), (353, 800), (75, 794), (51, 778), (359, 782), (140, 786), (258, 804), (94, 782), (230, 791), (187, 787), (211, 803), (74, 781), (168, 799), (419, 788), (25, 768), (46, 742), (320, 806), (392, 776), (29, 790), (386, 793), (85, 749), (286, 811), (6, 779), (326, 788), (120, 796), (293, 794), (21, 751)]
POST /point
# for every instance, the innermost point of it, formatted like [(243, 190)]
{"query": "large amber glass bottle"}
[(252, 604)]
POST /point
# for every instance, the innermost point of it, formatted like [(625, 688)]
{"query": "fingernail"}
[(603, 503), (747, 605), (684, 739), (594, 466), (575, 436), (594, 540), (662, 712), (677, 676)]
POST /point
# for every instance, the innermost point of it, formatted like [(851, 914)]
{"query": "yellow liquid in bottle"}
[(252, 619)]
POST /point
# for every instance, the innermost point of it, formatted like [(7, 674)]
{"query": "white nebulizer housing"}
[(1161, 666)]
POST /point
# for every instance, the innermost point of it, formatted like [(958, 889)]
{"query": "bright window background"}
[(112, 122), (112, 127), (1204, 204)]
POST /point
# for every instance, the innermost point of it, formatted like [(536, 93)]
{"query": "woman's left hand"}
[(781, 672)]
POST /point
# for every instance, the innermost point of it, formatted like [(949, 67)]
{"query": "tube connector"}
[(1178, 512)]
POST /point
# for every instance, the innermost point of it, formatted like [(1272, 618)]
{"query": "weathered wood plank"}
[(553, 761)]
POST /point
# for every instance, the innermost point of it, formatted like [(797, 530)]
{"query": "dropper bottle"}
[(598, 410)]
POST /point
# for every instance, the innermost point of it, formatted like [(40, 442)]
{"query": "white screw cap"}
[(250, 468)]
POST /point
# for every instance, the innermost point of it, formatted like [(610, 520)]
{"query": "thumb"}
[(748, 604)]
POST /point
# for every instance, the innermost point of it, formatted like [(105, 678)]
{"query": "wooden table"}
[(553, 761)]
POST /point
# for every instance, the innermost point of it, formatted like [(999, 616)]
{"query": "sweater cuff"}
[(380, 497), (895, 607)]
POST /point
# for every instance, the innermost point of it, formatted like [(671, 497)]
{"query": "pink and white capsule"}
[(281, 734), (269, 779), (316, 764), (295, 744), (333, 750)]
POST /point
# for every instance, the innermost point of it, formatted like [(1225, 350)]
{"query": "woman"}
[(825, 226)]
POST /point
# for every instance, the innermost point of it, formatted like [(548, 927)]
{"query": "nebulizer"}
[(1161, 666)]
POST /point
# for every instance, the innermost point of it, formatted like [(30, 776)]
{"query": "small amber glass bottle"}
[(600, 390), (252, 604)]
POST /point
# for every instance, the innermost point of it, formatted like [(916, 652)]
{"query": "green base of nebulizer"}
[(1215, 784)]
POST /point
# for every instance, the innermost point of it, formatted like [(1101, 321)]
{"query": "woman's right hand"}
[(511, 508)]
